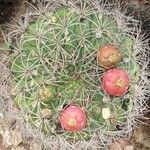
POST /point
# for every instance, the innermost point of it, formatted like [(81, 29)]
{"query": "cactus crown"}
[(54, 65)]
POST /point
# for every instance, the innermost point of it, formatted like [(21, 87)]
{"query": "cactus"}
[(54, 65)]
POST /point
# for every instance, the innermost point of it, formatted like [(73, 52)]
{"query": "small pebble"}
[(128, 147)]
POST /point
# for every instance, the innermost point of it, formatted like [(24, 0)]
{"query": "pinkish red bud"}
[(115, 82), (73, 118)]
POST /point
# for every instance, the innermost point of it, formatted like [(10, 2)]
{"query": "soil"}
[(8, 9), (141, 136), (139, 8), (1, 145)]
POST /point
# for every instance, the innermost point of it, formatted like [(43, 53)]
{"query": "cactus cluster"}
[(74, 72)]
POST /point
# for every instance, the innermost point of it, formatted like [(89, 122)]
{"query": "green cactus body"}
[(56, 66)]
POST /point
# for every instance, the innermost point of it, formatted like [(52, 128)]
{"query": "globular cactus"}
[(58, 68)]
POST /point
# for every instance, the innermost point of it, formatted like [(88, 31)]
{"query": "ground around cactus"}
[(141, 136), (8, 9)]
